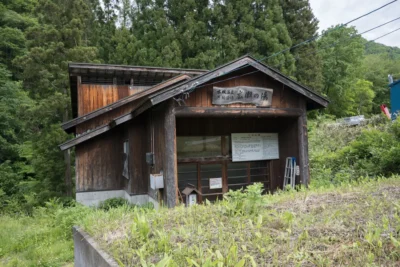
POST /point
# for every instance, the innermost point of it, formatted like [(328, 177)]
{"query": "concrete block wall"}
[(96, 197), (87, 252)]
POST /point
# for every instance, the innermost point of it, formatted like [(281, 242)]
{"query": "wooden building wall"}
[(106, 117), (136, 133), (95, 96), (99, 163), (283, 97)]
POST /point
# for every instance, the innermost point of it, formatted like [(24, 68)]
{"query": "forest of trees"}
[(38, 38)]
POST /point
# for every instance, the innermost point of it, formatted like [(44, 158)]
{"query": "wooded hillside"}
[(38, 38)]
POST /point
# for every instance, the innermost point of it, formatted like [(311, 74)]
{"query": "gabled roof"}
[(69, 126), (314, 100), (121, 74)]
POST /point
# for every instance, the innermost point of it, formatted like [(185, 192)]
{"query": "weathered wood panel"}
[(99, 163), (106, 117), (137, 136), (95, 96), (283, 97), (170, 164), (302, 136)]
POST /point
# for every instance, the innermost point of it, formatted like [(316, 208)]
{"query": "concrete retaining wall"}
[(94, 198), (87, 252)]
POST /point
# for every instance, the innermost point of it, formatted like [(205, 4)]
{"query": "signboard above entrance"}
[(254, 146), (261, 97)]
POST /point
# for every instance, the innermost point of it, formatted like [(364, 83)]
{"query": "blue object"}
[(395, 99)]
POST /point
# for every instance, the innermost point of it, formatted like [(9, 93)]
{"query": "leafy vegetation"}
[(42, 239), (346, 225), (349, 216), (351, 225), (38, 38), (340, 153)]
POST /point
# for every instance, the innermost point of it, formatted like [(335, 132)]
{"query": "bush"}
[(114, 203), (246, 201), (339, 154)]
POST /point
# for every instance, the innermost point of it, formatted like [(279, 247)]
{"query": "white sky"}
[(333, 12)]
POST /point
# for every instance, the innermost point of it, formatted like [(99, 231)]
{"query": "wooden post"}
[(170, 164), (303, 149)]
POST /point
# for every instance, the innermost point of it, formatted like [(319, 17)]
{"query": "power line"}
[(336, 28), (384, 35), (314, 52), (313, 38), (355, 35)]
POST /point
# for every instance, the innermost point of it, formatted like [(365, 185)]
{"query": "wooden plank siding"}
[(106, 118), (283, 97), (100, 163), (138, 169), (95, 96)]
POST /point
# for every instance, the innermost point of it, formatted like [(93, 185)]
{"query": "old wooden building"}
[(146, 134)]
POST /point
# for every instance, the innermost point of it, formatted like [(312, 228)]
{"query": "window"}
[(201, 146), (125, 171)]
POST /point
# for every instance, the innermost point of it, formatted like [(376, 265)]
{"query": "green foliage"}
[(112, 203), (42, 239), (38, 38), (298, 15), (247, 201), (355, 224), (341, 68), (339, 154)]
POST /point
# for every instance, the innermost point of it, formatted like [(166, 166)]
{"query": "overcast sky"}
[(333, 12)]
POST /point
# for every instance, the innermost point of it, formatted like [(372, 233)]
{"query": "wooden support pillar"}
[(170, 164), (303, 149)]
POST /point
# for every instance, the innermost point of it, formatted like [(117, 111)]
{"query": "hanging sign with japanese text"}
[(254, 146), (261, 97)]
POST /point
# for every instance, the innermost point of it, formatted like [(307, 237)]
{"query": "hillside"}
[(347, 226)]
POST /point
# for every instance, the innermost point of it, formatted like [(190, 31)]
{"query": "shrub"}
[(339, 154), (246, 201), (114, 203)]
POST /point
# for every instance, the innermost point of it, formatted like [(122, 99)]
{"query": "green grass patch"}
[(350, 225), (44, 239)]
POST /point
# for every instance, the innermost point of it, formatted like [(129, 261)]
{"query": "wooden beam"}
[(303, 149), (72, 123), (236, 112), (79, 67), (84, 137), (199, 80), (170, 164), (290, 83)]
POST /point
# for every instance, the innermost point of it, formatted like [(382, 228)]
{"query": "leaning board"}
[(254, 146)]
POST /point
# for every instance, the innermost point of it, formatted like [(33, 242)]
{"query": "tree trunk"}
[(67, 160)]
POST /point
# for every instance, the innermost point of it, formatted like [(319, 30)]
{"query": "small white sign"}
[(192, 199), (254, 146), (215, 183), (297, 170)]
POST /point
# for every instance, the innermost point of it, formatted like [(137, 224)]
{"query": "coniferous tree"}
[(303, 25), (259, 29), (57, 39), (158, 44)]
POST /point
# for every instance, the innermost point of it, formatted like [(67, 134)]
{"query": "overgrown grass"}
[(350, 225), (349, 216), (43, 239), (340, 154)]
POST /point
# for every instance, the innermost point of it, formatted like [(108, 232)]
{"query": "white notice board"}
[(254, 146)]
